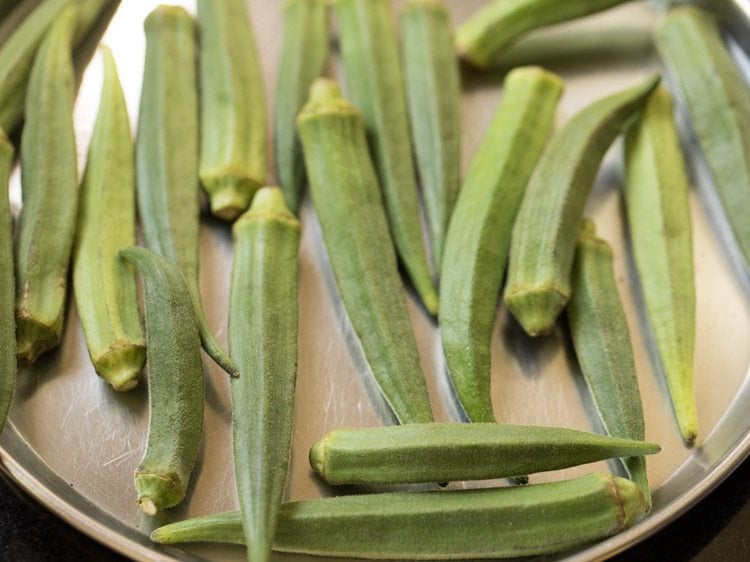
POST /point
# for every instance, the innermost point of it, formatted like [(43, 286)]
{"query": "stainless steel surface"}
[(73, 444)]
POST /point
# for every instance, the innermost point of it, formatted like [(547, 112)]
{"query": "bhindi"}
[(546, 229), (7, 286), (349, 206)]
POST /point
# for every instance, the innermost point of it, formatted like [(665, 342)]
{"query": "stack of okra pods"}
[(521, 204)]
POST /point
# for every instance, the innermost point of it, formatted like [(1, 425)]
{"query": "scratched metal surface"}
[(74, 444)]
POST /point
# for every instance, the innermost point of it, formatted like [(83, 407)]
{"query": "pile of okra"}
[(374, 160)]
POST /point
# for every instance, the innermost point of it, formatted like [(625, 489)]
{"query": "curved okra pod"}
[(7, 286), (263, 338), (433, 91), (445, 452), (304, 55), (349, 206), (658, 214), (105, 288), (167, 154), (483, 38), (447, 525), (480, 230), (175, 378), (373, 75), (233, 107), (46, 227), (717, 100), (545, 232), (602, 343)]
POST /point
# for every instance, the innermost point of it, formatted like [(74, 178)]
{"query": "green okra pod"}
[(445, 525), (233, 107), (658, 213), (445, 452), (602, 343), (263, 326), (175, 379), (373, 75), (304, 55), (480, 230), (433, 87), (46, 227), (105, 288), (545, 232), (7, 286), (483, 38), (349, 205), (717, 100), (167, 154)]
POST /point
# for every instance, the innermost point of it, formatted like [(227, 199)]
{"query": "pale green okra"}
[(263, 326), (7, 286), (480, 231), (546, 229)]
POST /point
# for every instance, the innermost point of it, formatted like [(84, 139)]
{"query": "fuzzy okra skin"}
[(263, 326), (46, 227), (175, 379), (547, 225), (304, 55), (482, 39), (444, 525), (105, 289), (349, 205), (446, 452), (717, 100), (602, 343), (480, 230), (233, 107), (167, 154), (658, 212), (373, 76), (7, 286)]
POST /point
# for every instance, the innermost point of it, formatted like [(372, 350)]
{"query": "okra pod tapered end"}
[(230, 194), (325, 97), (121, 366), (537, 308), (33, 339), (157, 492), (269, 201)]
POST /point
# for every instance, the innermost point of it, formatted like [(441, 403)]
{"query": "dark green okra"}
[(658, 214), (349, 205), (7, 286), (546, 229), (446, 525), (717, 100), (167, 154), (304, 55), (445, 452), (373, 75), (46, 227), (233, 107), (263, 338), (433, 88), (602, 342), (105, 288), (483, 38), (175, 380), (480, 230)]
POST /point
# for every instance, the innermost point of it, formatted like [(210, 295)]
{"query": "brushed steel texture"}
[(73, 444)]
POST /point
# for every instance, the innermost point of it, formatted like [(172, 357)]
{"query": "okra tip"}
[(536, 308), (325, 98), (268, 204), (229, 194), (33, 338), (157, 492), (121, 366)]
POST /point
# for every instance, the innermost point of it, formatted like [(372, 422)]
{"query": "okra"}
[(233, 108), (304, 55), (483, 38), (545, 231), (263, 338), (717, 101), (175, 381), (444, 525), (105, 289), (46, 227), (658, 213), (480, 230), (167, 154), (433, 88), (602, 343), (373, 75), (443, 452), (7, 286), (349, 205)]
